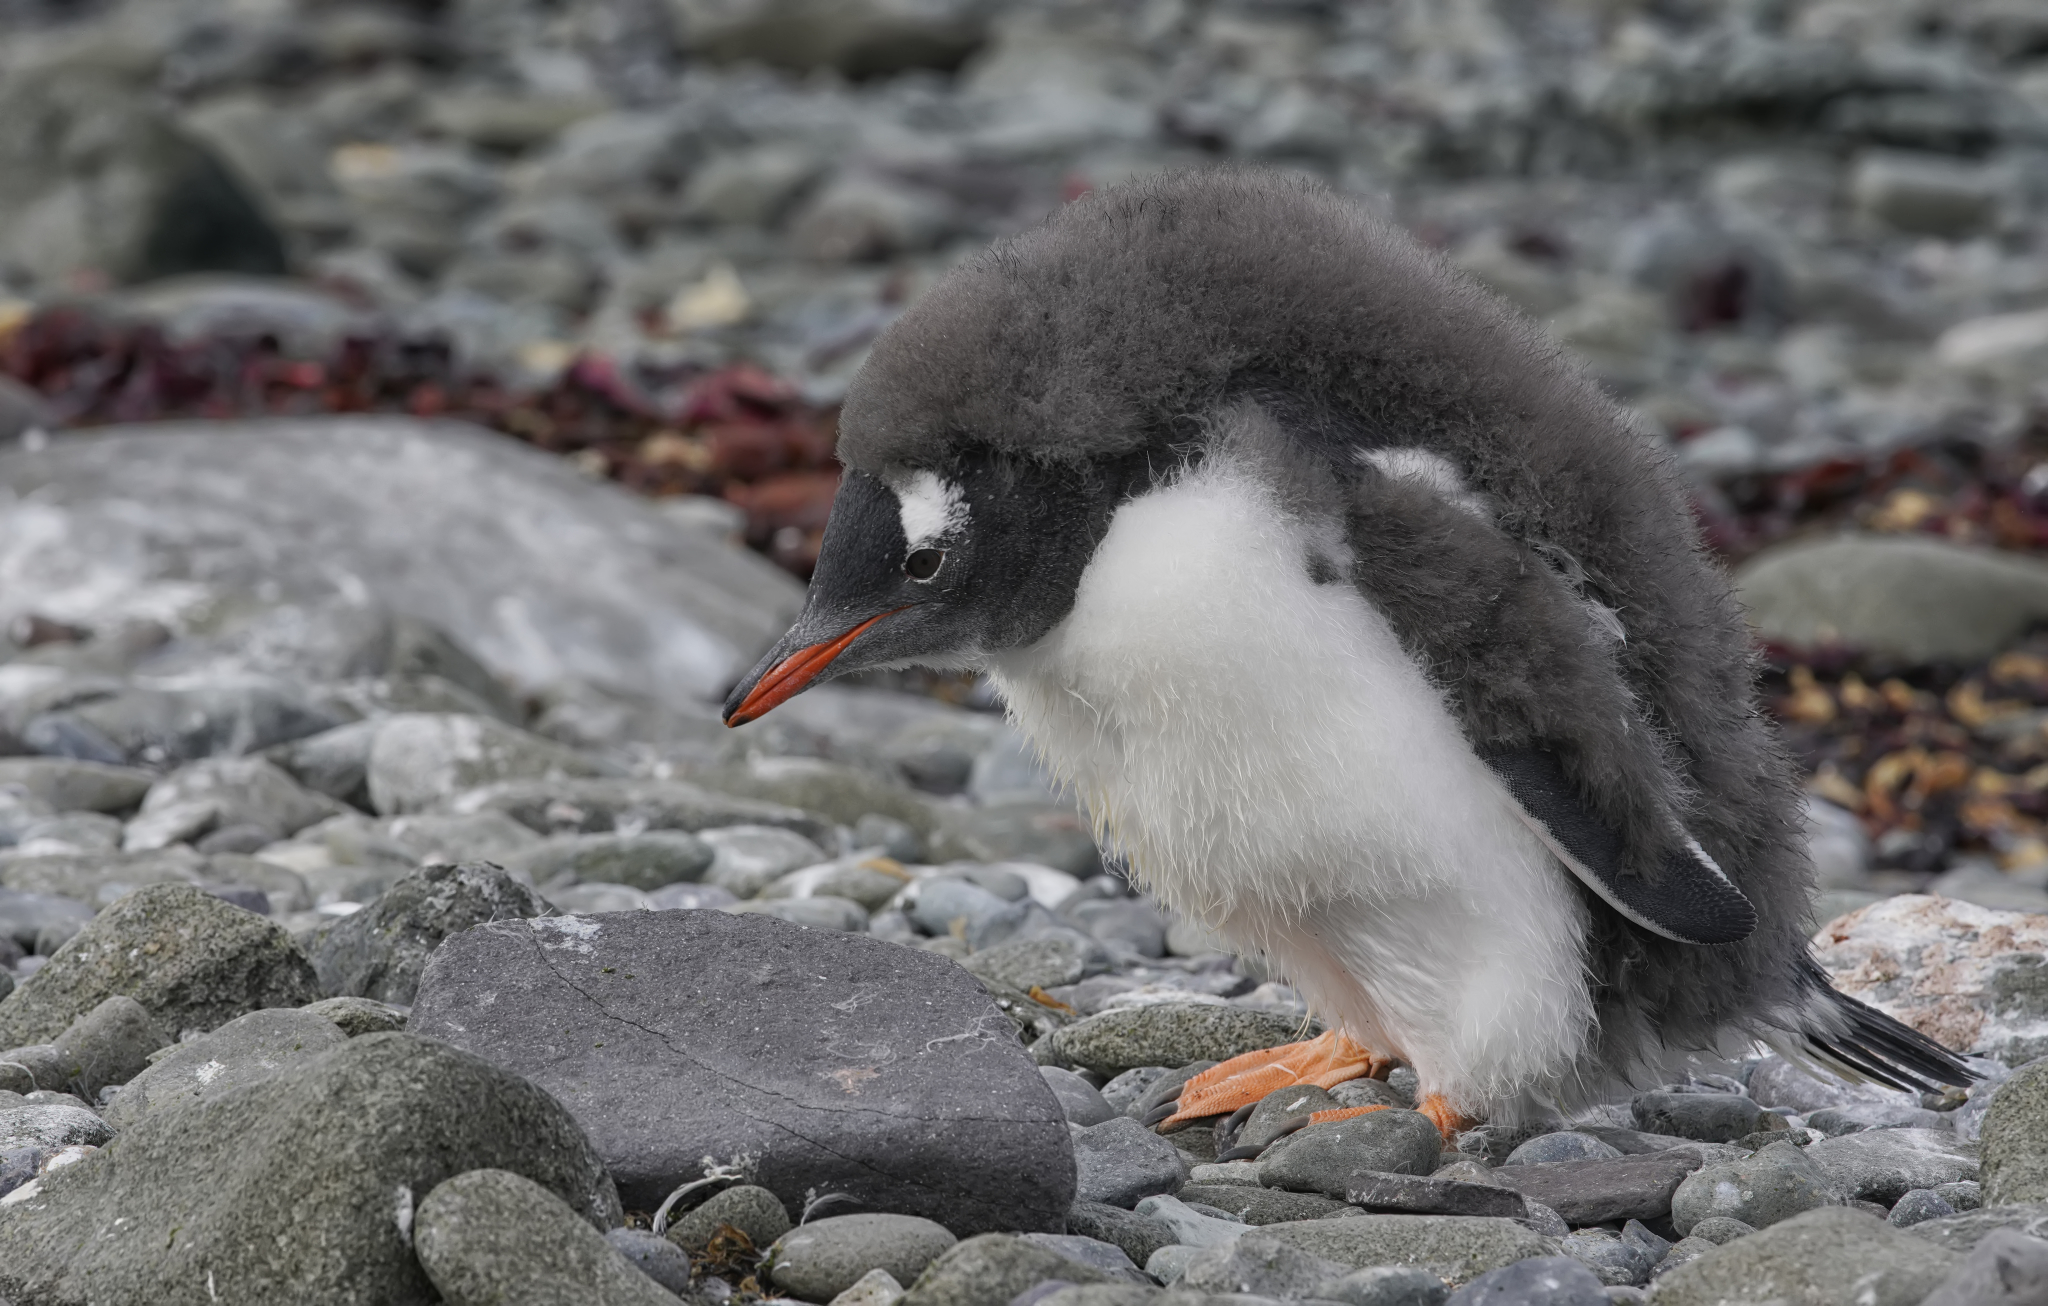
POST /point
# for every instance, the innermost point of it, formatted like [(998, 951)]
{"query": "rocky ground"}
[(845, 1006)]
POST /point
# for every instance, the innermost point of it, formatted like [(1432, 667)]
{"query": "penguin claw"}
[(1160, 1114)]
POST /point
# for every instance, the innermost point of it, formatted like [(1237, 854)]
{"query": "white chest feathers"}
[(1272, 762)]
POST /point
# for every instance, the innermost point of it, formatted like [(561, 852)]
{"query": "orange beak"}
[(788, 677)]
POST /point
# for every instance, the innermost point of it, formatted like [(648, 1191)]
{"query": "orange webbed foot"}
[(1241, 1082), (1447, 1119)]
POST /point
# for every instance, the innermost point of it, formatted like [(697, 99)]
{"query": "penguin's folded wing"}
[(1690, 900)]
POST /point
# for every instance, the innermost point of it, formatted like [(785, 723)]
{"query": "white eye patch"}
[(931, 508), (1429, 470)]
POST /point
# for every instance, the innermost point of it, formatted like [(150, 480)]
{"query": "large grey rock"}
[(827, 1062), (1168, 1034), (380, 951), (246, 1049), (1909, 597), (990, 1270), (2006, 1269), (242, 1181), (1829, 1257), (488, 1236), (1456, 1248), (544, 574), (191, 960), (2014, 1142), (100, 182), (1776, 1184), (1967, 976), (1883, 1165), (824, 1258), (1121, 1161), (1323, 1158)]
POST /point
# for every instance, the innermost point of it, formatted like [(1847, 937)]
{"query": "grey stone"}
[(231, 1173), (1913, 598), (1133, 922), (943, 905), (111, 1044), (1830, 1257), (149, 201), (1565, 1146), (1776, 1184), (2014, 1140), (837, 914), (1918, 1205), (866, 880), (100, 878), (588, 899), (1194, 1228), (1107, 1257), (754, 1211), (1601, 1192), (1256, 1205), (421, 760), (1262, 1267), (1280, 1112), (989, 1270), (748, 858), (1169, 1034), (1078, 1098), (1882, 1165), (1959, 1233), (246, 1049), (752, 187), (192, 961), (1964, 1194), (521, 542), (691, 897), (860, 38), (68, 785), (824, 1258), (1456, 1248), (475, 837), (228, 791), (1322, 1158), (1044, 962), (893, 838), (1138, 1235), (1415, 1195), (838, 792), (1689, 1248), (1538, 1281), (51, 1127), (1388, 1285), (1707, 1117), (25, 915), (1926, 194), (2006, 1267), (645, 861), (381, 951), (1127, 1091), (1121, 1161), (596, 806), (334, 762), (677, 1035), (657, 1258), (490, 1235), (357, 1016), (1239, 1174), (234, 713), (1617, 1260), (1836, 1121), (1050, 834), (1721, 1229)]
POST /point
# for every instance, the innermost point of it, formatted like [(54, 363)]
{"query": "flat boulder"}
[(1832, 1256), (286, 1187), (1455, 1248), (819, 1062)]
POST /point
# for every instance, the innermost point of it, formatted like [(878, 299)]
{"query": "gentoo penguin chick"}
[(1370, 633)]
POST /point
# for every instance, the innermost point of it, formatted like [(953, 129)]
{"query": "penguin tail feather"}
[(1861, 1044)]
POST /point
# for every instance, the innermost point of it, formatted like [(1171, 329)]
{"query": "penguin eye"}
[(924, 563)]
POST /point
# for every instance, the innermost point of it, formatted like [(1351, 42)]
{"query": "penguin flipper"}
[(1690, 900)]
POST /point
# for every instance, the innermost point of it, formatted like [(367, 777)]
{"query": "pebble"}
[(1882, 1165), (1565, 1146), (836, 1062), (1190, 1227), (1707, 1117), (1078, 1098), (754, 1211), (1389, 1285), (1168, 1034), (1456, 1248), (192, 961), (657, 1258), (1918, 1205), (489, 1236), (1373, 1191), (1138, 1235), (1776, 1184), (1282, 1112), (820, 1260), (2014, 1140), (1604, 1192), (1538, 1281), (1263, 1267), (1322, 1158), (1255, 1205), (381, 951), (1127, 1091), (991, 1269), (875, 1288), (746, 859), (1810, 1257)]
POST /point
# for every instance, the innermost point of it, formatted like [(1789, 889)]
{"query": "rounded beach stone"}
[(824, 1258), (1322, 1158), (1564, 1146), (755, 1212), (1775, 1184), (491, 1236)]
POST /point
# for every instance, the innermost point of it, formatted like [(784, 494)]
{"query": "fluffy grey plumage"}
[(1140, 327)]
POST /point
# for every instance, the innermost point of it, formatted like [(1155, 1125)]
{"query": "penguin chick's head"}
[(937, 568)]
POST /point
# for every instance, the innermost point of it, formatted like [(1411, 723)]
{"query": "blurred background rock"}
[(1803, 239)]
